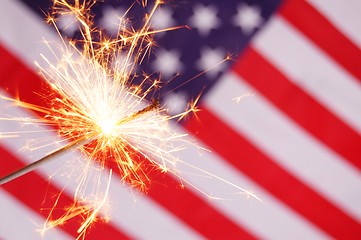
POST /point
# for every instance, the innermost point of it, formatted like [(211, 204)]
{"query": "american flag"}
[(283, 119)]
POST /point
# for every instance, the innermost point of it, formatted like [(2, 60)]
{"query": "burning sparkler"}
[(99, 107)]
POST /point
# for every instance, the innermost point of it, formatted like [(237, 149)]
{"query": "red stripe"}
[(167, 191), (194, 211), (263, 170), (209, 222), (31, 189), (321, 31), (299, 106), (19, 81)]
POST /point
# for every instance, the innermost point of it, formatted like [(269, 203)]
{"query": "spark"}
[(100, 105), (243, 96), (192, 109)]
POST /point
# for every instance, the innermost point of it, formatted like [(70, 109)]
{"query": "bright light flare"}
[(102, 105)]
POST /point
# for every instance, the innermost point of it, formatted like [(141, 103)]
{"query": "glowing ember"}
[(99, 100), (97, 107)]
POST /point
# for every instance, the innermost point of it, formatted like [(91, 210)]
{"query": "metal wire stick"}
[(82, 141), (28, 168)]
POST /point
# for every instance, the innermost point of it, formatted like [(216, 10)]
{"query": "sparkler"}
[(99, 108), (98, 99)]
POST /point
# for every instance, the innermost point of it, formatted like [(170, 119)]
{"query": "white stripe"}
[(19, 222), (287, 144), (345, 15), (129, 210), (309, 68), (24, 33), (269, 219)]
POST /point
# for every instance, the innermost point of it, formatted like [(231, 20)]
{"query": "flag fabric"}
[(281, 119)]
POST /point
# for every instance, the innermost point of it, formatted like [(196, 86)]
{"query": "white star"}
[(167, 62), (248, 18), (162, 18), (204, 19), (68, 23), (113, 19), (210, 61), (176, 102)]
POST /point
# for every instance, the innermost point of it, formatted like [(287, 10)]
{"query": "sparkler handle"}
[(82, 141), (28, 168), (154, 105)]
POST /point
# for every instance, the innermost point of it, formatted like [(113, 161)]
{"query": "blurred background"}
[(281, 119)]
